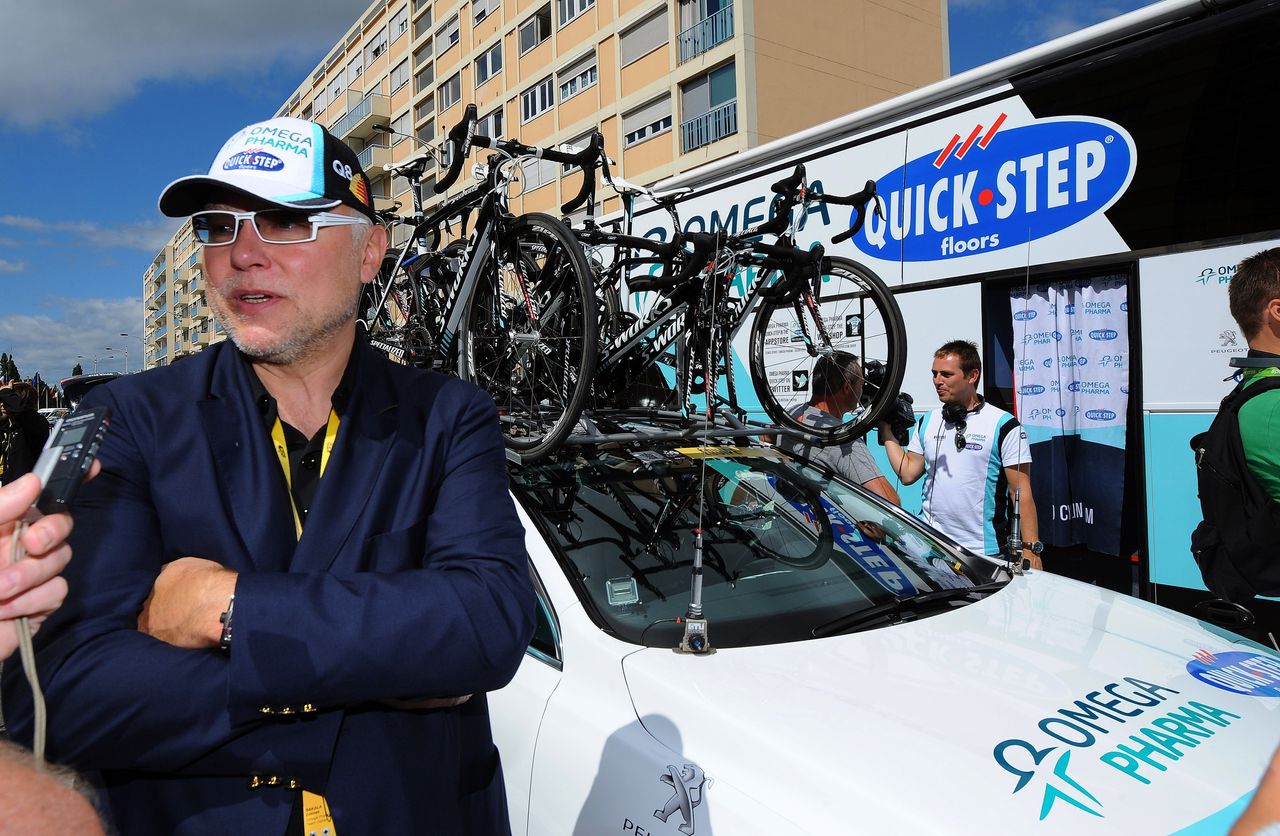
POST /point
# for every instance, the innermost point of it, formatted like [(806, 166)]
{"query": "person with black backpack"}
[(1237, 546)]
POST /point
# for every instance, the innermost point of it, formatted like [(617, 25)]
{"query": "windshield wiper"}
[(901, 609)]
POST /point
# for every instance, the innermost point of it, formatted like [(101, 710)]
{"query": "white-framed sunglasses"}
[(219, 227)]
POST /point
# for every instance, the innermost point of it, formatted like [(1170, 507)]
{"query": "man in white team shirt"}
[(975, 458)]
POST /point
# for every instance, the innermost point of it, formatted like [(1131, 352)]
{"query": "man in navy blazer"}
[(300, 568)]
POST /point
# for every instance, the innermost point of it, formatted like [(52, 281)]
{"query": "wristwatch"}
[(224, 641), (1037, 546)]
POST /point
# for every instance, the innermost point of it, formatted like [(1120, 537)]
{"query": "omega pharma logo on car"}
[(999, 187), (1163, 728)]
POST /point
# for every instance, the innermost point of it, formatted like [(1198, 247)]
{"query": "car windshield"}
[(787, 547)]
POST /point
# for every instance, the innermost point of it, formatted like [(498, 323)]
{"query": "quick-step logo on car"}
[(995, 187)]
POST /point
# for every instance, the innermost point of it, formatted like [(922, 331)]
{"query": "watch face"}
[(1037, 547)]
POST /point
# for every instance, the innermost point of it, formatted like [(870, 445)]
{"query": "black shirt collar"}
[(266, 404)]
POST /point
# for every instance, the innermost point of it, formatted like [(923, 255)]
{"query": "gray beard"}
[(306, 340)]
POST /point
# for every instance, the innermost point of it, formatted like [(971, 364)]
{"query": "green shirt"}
[(1260, 432)]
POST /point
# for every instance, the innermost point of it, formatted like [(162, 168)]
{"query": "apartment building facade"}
[(671, 84)]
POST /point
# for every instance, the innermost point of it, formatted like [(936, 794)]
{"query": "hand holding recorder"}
[(31, 587)]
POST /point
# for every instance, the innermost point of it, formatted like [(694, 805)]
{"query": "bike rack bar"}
[(724, 425)]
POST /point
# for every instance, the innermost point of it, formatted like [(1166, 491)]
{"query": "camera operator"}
[(836, 386), (23, 431)]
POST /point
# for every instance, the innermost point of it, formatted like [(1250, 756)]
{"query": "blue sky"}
[(102, 104)]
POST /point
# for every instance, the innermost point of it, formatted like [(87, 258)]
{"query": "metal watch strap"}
[(224, 642)]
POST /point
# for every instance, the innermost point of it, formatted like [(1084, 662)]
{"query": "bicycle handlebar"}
[(460, 138), (859, 201)]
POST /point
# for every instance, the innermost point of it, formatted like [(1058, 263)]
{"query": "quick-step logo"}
[(999, 188)]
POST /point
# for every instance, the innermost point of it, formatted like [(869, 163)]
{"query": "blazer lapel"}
[(365, 438), (247, 473)]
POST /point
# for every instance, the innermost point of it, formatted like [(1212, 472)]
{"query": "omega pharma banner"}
[(1071, 382)]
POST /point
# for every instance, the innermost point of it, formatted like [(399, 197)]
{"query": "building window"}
[(491, 125), (424, 108), (335, 88), (427, 132), (450, 92), (538, 173), (403, 126), (643, 38), (708, 108), (447, 35), (376, 47), (578, 76), (646, 122), (424, 78), (400, 75), (489, 63), (423, 54), (483, 8), (537, 100), (535, 30), (380, 187), (422, 25), (400, 23), (353, 70), (569, 9)]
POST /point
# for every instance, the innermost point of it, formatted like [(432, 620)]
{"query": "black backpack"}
[(1237, 546)]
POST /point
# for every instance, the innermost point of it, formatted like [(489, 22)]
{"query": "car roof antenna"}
[(695, 638)]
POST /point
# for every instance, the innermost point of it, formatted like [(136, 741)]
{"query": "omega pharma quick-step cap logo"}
[(992, 187)]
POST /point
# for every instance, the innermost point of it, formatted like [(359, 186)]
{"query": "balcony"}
[(362, 116), (711, 126), (373, 157), (705, 34)]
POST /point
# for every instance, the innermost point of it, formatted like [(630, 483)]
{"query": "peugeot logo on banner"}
[(990, 186)]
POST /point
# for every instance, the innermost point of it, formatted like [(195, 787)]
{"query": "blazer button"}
[(287, 709), (255, 781), (308, 708), (293, 784), (273, 780), (266, 709)]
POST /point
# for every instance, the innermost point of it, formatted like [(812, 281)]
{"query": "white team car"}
[(867, 675)]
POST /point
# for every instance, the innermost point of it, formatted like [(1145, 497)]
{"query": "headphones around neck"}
[(954, 413)]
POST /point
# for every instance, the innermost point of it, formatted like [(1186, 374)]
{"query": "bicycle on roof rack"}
[(508, 305), (806, 306)]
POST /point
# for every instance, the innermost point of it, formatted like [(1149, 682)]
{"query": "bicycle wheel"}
[(859, 316), (530, 333), (399, 326)]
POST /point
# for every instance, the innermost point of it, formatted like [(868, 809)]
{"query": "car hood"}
[(1049, 706)]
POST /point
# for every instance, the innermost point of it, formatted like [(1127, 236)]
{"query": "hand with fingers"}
[(32, 587)]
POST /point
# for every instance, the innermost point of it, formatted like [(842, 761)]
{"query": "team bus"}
[(1077, 209)]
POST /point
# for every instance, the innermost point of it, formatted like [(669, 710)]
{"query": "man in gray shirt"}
[(837, 389)]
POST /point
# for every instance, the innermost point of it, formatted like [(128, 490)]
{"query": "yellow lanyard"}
[(282, 452), (315, 809)]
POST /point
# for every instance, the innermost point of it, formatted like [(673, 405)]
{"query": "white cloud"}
[(49, 343), (78, 59), (7, 266), (149, 236)]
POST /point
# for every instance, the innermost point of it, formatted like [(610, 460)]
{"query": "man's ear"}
[(375, 247), (1272, 311)]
